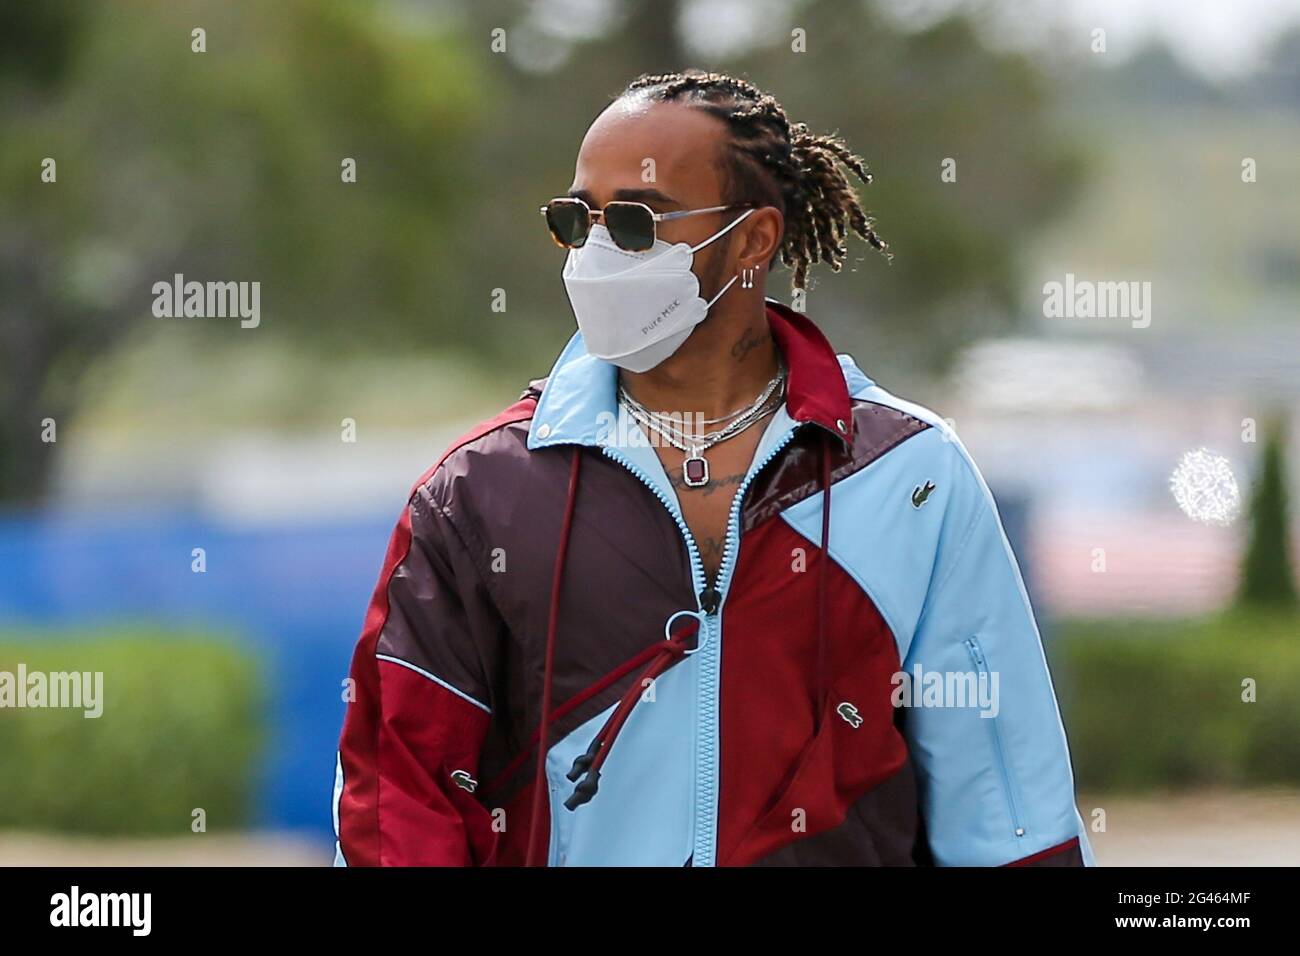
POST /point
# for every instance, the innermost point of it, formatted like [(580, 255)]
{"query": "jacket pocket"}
[(980, 660), (477, 820), (850, 754)]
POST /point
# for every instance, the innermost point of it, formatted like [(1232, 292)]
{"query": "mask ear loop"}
[(708, 305), (721, 232)]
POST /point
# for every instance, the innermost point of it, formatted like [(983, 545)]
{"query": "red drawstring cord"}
[(563, 710), (588, 765), (823, 563), (651, 654), (552, 626)]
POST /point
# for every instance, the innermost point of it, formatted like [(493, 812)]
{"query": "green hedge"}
[(180, 729), (1150, 704)]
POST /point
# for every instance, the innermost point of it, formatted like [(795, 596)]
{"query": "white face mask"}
[(635, 309)]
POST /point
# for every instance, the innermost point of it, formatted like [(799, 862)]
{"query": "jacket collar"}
[(579, 405), (815, 389)]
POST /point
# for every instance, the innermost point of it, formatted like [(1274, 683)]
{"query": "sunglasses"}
[(632, 225)]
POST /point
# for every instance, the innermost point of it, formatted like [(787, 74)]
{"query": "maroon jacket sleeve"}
[(409, 751)]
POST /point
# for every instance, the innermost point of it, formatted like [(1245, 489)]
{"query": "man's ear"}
[(763, 232)]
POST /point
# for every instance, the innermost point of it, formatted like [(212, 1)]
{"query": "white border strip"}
[(437, 680)]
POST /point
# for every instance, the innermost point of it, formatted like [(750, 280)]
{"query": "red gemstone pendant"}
[(695, 471)]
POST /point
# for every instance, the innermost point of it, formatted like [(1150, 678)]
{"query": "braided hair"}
[(777, 163)]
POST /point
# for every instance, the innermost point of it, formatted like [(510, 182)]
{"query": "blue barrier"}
[(296, 596)]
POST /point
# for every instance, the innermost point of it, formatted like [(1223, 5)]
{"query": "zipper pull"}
[(710, 598)]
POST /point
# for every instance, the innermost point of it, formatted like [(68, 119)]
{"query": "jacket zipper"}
[(706, 783), (710, 600), (698, 582), (1013, 806)]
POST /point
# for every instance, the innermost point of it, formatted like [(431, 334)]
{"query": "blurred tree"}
[(1154, 77), (36, 47), (1278, 83), (224, 165), (37, 41), (1267, 575)]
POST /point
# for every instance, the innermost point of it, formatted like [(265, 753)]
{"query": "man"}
[(624, 623)]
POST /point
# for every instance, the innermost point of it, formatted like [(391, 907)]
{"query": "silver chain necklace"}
[(695, 467), (668, 425)]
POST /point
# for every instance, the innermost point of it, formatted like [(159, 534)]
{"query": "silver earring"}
[(747, 278)]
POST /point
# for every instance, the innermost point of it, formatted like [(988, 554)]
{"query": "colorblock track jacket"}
[(545, 675)]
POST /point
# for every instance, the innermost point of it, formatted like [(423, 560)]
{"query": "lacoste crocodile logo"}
[(464, 780), (921, 494), (850, 714)]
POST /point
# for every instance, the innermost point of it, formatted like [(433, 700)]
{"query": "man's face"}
[(663, 155)]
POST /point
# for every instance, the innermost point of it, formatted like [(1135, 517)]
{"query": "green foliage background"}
[(181, 727), (1158, 703)]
